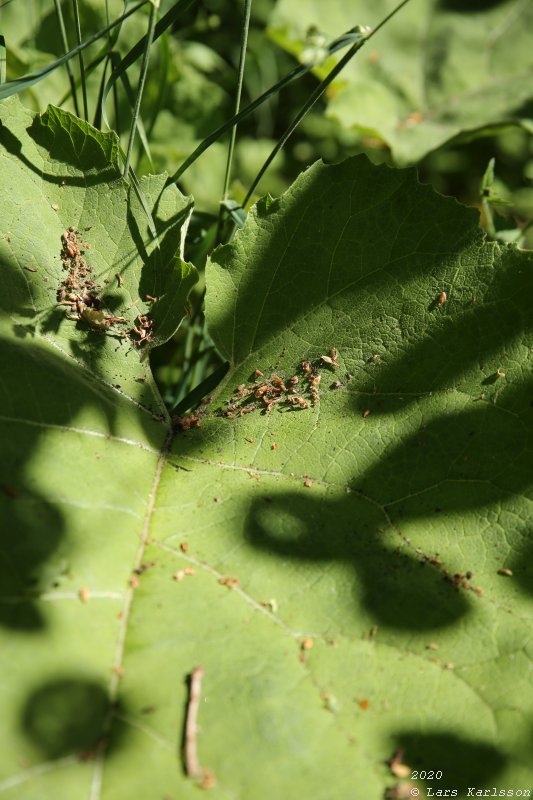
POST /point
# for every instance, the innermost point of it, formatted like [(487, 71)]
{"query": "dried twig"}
[(190, 755)]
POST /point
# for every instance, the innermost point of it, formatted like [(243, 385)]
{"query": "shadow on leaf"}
[(398, 590), (68, 716), (463, 762)]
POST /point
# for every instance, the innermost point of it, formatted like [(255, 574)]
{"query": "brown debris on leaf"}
[(186, 423), (231, 583), (299, 391), (142, 331), (397, 767), (79, 293), (505, 571)]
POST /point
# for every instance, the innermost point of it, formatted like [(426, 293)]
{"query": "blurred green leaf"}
[(440, 69)]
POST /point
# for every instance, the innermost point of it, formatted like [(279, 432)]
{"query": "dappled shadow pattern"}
[(397, 589), (32, 559), (68, 716), (27, 547)]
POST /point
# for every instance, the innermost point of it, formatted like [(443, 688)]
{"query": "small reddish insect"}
[(442, 298)]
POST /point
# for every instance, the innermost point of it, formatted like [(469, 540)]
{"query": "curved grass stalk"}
[(316, 95), (240, 77), (337, 44)]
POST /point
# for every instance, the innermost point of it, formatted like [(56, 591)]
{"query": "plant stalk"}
[(242, 59), (80, 59), (64, 40), (142, 80)]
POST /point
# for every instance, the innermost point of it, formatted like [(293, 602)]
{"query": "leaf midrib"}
[(96, 784)]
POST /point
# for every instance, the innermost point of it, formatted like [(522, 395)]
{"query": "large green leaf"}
[(439, 69), (320, 657)]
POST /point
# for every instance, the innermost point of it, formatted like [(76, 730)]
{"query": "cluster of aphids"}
[(298, 392), (83, 297), (77, 281)]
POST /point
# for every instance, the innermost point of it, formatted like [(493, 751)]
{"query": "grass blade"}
[(195, 395), (142, 80), (316, 95), (242, 59), (63, 32), (80, 59), (337, 44), (130, 95), (166, 21), (12, 87)]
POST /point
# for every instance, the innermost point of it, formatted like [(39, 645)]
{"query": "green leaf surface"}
[(328, 593), (437, 70)]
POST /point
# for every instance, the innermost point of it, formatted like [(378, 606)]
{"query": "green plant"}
[(288, 442)]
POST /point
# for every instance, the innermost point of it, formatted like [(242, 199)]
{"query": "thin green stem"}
[(111, 40), (316, 95), (80, 59), (240, 78), (17, 85), (63, 31), (142, 80), (297, 72)]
